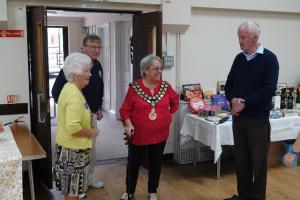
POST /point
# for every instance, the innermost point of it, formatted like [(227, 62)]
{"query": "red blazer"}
[(137, 110)]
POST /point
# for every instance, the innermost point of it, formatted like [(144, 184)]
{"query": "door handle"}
[(40, 97)]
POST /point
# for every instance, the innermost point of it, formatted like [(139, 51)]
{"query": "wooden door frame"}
[(29, 23), (39, 89)]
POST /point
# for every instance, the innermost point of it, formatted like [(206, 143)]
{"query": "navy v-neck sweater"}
[(255, 81)]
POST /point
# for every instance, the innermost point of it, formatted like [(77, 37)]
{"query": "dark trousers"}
[(135, 157), (251, 144)]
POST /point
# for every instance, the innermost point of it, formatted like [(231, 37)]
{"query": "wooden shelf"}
[(29, 147)]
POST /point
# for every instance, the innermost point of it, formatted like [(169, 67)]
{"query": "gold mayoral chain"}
[(152, 100)]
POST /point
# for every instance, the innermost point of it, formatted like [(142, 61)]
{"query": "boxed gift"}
[(220, 100), (191, 90)]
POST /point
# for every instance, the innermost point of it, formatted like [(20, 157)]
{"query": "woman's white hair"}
[(252, 27), (74, 64), (147, 61)]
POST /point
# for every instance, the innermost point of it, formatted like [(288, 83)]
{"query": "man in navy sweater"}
[(250, 85), (93, 94)]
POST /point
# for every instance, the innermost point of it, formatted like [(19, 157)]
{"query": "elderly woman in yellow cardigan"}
[(74, 131)]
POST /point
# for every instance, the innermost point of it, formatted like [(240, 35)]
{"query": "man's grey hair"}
[(252, 27), (91, 38), (74, 64), (147, 62)]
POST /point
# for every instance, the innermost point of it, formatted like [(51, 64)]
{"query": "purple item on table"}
[(220, 100)]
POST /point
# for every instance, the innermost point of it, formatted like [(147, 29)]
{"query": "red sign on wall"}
[(10, 99), (11, 33)]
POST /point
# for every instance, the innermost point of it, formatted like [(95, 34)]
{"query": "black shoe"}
[(234, 197)]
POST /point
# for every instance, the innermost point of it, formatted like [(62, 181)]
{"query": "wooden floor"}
[(188, 182)]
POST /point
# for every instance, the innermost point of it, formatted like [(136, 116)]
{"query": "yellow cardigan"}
[(73, 115)]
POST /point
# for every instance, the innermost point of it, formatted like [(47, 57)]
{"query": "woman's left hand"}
[(129, 130)]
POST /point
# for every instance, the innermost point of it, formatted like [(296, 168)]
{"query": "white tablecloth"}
[(10, 167), (197, 128)]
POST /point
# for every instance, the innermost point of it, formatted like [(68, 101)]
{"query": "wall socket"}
[(168, 61)]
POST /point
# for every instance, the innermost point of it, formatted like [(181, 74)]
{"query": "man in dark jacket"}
[(250, 85)]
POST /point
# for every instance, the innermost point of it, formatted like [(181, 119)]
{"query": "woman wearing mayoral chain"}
[(147, 114)]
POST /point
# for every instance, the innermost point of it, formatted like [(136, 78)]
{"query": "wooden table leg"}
[(31, 180), (219, 168)]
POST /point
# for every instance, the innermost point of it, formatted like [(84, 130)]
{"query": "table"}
[(29, 148), (212, 135), (10, 167)]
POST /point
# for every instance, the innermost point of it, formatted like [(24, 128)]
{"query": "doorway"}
[(58, 49), (39, 68), (109, 144)]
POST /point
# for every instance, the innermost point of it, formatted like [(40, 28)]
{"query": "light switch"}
[(168, 61)]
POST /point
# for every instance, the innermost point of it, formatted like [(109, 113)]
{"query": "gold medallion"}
[(152, 114)]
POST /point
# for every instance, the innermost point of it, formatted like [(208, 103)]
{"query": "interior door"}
[(39, 101), (146, 39), (123, 62), (104, 58)]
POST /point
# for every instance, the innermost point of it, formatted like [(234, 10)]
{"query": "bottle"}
[(282, 99), (290, 100), (276, 100), (298, 98)]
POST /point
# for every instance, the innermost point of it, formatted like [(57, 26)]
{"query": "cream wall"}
[(254, 5), (210, 44), (14, 79), (3, 10), (99, 19)]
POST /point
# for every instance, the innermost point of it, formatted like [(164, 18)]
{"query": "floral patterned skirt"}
[(70, 170)]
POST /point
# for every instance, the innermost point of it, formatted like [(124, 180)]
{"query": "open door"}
[(39, 101), (146, 38)]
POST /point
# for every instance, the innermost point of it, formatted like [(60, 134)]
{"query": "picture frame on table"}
[(221, 87), (192, 86)]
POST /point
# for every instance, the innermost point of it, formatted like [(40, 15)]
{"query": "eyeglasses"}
[(94, 47), (156, 68)]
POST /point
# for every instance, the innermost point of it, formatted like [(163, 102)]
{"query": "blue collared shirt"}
[(259, 50)]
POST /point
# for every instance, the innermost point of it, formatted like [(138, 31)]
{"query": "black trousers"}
[(251, 144), (135, 157)]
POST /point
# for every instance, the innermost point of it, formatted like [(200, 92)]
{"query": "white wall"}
[(210, 44), (75, 33), (3, 10), (99, 19), (169, 46), (14, 63), (254, 5)]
